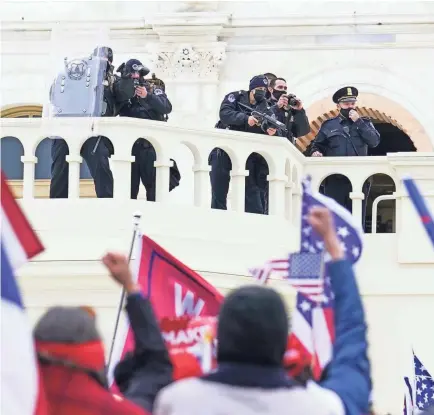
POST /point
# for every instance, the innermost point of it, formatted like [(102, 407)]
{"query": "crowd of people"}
[(251, 376)]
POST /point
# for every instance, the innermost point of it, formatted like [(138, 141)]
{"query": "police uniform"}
[(341, 137), (155, 106), (235, 117), (95, 151)]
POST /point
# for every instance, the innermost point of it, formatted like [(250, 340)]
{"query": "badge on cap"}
[(265, 81), (349, 92), (231, 98)]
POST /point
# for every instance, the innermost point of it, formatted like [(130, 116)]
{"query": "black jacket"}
[(143, 373), (340, 137), (296, 121), (154, 107), (234, 117)]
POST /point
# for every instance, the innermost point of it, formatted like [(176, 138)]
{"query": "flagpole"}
[(136, 223), (321, 275)]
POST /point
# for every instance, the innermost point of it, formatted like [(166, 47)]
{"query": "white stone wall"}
[(383, 48)]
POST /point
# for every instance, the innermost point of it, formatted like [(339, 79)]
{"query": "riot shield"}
[(77, 73)]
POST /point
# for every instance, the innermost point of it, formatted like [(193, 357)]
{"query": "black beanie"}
[(252, 327)]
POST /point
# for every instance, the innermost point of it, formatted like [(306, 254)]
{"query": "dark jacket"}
[(235, 117), (142, 374), (340, 137), (154, 107), (296, 121)]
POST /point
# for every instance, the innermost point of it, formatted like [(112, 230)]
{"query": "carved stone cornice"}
[(183, 61), (188, 27)]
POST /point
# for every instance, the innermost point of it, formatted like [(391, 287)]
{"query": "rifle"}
[(266, 121)]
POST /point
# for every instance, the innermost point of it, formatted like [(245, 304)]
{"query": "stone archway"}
[(376, 107), (385, 89), (304, 141)]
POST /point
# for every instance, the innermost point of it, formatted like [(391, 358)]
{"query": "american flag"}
[(313, 317), (22, 392), (408, 397), (423, 385), (301, 270)]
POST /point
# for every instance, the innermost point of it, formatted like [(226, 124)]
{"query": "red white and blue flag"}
[(420, 205), (313, 330), (20, 388)]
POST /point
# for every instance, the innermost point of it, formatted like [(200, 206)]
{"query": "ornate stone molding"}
[(185, 61)]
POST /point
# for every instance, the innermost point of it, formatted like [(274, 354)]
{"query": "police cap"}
[(346, 94)]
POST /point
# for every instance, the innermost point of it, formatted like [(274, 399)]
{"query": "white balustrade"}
[(165, 138), (286, 164)]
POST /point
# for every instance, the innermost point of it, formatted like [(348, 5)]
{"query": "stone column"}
[(357, 199), (188, 58)]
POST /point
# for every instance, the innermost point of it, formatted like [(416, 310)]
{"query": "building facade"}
[(203, 50)]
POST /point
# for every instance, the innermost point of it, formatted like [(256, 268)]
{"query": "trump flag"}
[(173, 289)]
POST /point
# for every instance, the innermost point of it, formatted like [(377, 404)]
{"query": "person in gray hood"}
[(252, 338)]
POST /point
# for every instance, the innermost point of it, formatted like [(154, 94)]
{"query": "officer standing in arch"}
[(235, 116), (346, 135)]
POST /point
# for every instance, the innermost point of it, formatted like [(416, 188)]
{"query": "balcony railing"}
[(286, 164)]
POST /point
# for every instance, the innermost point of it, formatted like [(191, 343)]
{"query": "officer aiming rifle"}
[(266, 121)]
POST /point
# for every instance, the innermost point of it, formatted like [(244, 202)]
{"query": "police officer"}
[(293, 116), (234, 116), (149, 103), (348, 134), (95, 151)]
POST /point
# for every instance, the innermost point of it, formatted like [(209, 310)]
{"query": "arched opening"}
[(221, 166), (393, 140), (338, 187), (381, 185), (144, 172), (256, 191), (11, 150), (43, 153)]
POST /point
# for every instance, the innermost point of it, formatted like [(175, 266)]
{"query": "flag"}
[(301, 270), (313, 317), (21, 392), (173, 289), (420, 206), (423, 386), (408, 398)]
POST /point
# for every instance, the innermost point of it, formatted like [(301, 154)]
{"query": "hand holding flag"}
[(325, 225)]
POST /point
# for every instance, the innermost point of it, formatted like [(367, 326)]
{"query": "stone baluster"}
[(74, 176), (202, 186), (288, 200), (162, 179), (357, 198), (29, 176), (121, 168), (277, 195), (238, 189), (296, 203)]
